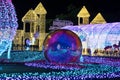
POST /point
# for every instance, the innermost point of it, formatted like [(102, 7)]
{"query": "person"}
[(81, 59), (27, 44)]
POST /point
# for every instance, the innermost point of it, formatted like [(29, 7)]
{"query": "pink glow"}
[(9, 0)]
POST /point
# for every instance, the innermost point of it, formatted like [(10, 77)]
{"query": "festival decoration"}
[(62, 46), (8, 25)]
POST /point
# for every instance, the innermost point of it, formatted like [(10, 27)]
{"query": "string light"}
[(92, 68), (8, 25)]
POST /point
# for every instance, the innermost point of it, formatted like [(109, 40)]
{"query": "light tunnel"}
[(97, 36)]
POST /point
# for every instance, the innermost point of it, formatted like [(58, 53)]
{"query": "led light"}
[(8, 25), (97, 36)]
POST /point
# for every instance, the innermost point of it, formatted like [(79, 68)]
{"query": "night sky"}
[(110, 9)]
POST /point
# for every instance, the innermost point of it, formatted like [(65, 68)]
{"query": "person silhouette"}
[(58, 47), (27, 44)]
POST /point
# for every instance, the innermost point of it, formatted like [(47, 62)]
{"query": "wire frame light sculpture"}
[(8, 25), (62, 46), (97, 36)]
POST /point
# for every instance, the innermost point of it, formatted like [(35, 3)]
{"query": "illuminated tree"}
[(8, 25)]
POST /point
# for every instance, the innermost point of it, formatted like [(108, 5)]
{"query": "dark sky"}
[(110, 9)]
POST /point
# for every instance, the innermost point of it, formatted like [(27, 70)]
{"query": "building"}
[(57, 24), (34, 22), (83, 17)]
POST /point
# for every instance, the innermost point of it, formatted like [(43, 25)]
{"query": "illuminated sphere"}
[(62, 46)]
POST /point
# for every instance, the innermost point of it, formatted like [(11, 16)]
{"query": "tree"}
[(71, 14), (8, 25), (62, 16), (48, 24)]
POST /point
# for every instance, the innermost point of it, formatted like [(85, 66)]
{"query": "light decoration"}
[(107, 61), (98, 36), (91, 68), (8, 25), (59, 66), (29, 42), (92, 71), (64, 46)]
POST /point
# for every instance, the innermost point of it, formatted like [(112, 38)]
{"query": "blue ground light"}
[(93, 68), (91, 71)]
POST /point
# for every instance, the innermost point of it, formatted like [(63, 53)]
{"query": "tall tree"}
[(71, 14), (8, 25)]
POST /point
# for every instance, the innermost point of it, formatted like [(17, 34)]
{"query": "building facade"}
[(58, 24), (34, 23)]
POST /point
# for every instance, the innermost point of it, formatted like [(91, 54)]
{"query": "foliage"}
[(70, 14)]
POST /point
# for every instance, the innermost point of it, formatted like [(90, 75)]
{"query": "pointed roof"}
[(98, 19), (30, 16), (83, 12), (40, 9)]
